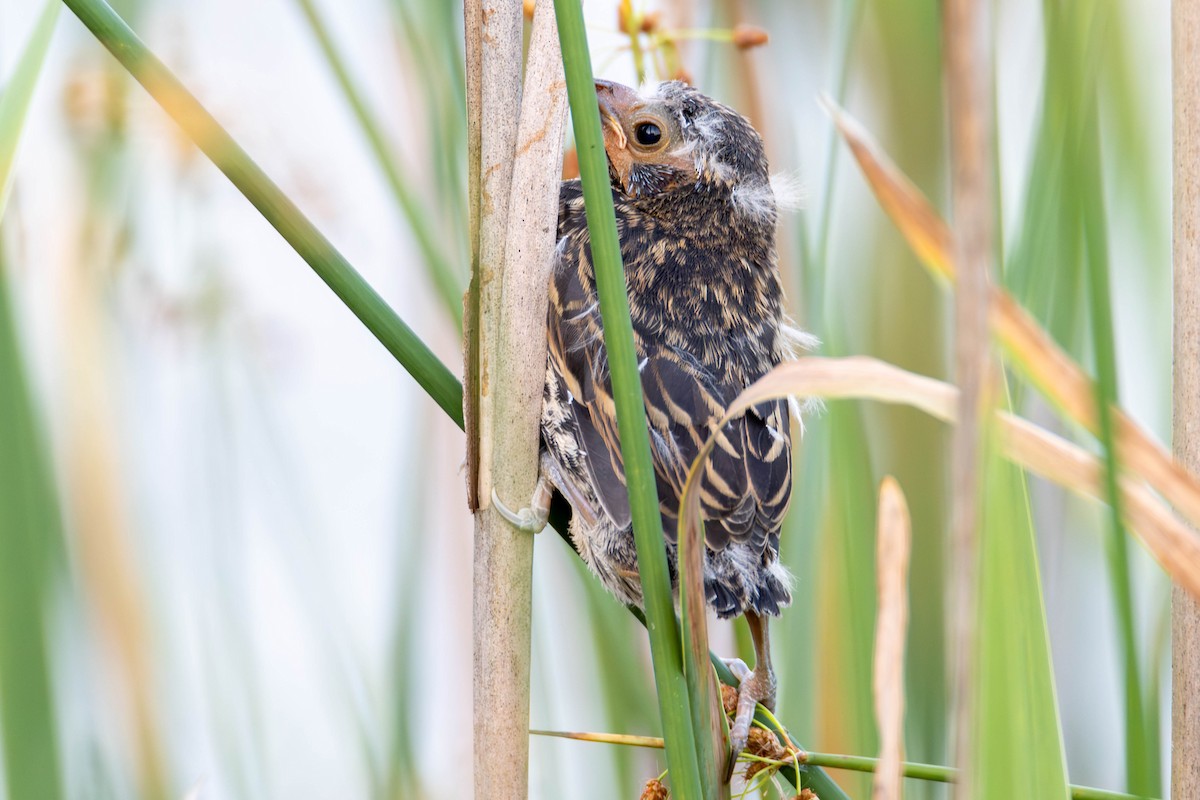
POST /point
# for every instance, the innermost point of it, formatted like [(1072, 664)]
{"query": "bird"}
[(696, 217)]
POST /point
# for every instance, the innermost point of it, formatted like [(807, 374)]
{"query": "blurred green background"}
[(234, 548)]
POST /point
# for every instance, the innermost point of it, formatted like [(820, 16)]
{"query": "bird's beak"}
[(616, 102)]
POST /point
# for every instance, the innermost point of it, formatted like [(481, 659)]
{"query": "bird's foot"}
[(756, 686), (533, 518), (737, 667)]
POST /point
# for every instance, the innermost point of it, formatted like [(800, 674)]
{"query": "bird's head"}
[(673, 140)]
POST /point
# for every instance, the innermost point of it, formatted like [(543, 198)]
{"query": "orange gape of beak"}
[(616, 101)]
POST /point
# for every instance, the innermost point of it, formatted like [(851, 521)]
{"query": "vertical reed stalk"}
[(968, 92), (518, 170), (473, 44), (29, 539), (1185, 611), (663, 628), (1141, 769)]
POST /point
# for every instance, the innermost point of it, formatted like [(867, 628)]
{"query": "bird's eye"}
[(647, 134)]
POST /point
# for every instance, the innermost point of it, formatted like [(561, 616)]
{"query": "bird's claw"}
[(531, 519), (756, 686), (737, 667)]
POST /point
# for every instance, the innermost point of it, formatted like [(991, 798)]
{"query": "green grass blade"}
[(940, 774), (444, 277), (1049, 232), (1065, 224), (1126, 107), (29, 522), (403, 774), (825, 460), (329, 264), (683, 741), (815, 252), (18, 91), (29, 531), (1141, 762), (1018, 741), (440, 60), (848, 586)]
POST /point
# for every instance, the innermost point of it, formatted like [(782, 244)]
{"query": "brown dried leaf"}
[(927, 234), (1174, 545), (856, 376), (1172, 542), (1026, 344)]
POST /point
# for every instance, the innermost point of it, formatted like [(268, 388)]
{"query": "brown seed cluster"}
[(655, 790), (729, 700), (764, 744)]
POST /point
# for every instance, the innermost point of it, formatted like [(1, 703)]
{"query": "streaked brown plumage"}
[(696, 218)]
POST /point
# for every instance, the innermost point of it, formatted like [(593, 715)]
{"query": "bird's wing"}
[(746, 483), (579, 366), (747, 479)]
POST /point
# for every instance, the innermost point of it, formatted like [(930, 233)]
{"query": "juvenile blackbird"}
[(696, 218)]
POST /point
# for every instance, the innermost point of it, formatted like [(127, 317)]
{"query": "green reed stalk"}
[(1141, 764), (30, 531), (29, 537), (686, 747), (938, 773)]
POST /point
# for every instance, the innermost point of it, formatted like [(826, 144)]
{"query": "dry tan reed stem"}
[(893, 545), (1185, 610), (968, 100), (473, 46), (503, 556)]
